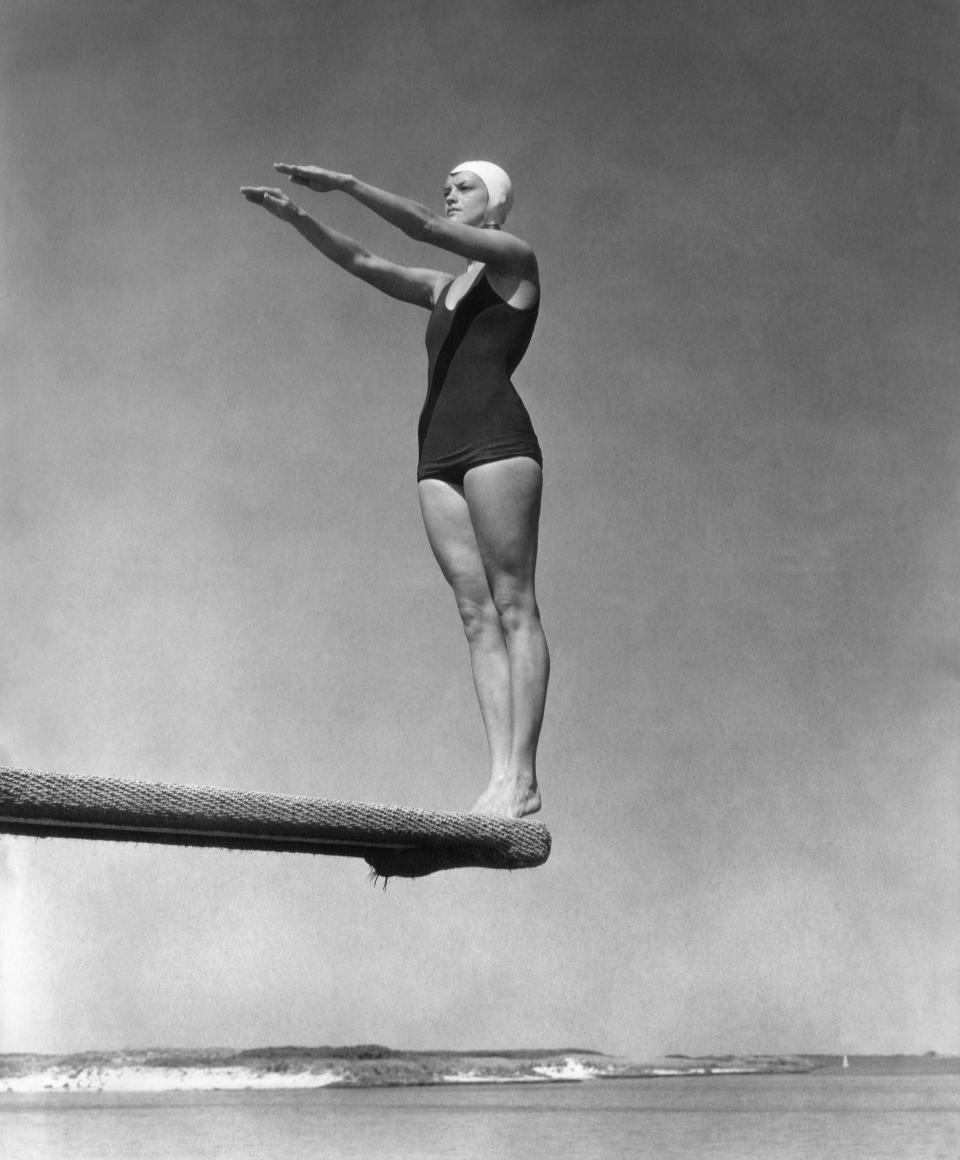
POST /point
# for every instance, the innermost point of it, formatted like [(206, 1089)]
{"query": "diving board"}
[(395, 841)]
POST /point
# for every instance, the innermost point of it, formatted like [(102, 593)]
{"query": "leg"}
[(451, 536), (503, 500)]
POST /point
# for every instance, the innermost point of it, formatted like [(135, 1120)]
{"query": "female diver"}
[(480, 468)]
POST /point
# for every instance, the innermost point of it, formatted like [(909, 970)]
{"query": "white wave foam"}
[(570, 1069)]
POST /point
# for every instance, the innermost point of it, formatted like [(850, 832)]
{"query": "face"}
[(465, 197)]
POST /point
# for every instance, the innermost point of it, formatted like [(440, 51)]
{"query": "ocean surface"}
[(818, 1116)]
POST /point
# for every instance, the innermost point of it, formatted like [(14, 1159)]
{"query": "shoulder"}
[(514, 260)]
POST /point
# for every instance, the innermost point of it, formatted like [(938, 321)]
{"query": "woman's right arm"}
[(418, 286)]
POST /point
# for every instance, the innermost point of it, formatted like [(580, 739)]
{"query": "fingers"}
[(271, 200), (260, 192), (297, 173)]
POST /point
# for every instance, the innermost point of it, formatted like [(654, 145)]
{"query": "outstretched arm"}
[(418, 286), (504, 252)]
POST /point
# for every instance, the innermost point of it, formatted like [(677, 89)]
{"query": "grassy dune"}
[(365, 1065), (372, 1065)]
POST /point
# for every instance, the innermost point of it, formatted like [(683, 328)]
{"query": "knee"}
[(479, 617), (516, 607)]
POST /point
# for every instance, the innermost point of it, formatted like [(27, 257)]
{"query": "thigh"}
[(503, 499), (446, 518)]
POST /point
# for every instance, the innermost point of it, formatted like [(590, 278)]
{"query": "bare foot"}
[(509, 797)]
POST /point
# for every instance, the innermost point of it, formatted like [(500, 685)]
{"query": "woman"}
[(480, 469)]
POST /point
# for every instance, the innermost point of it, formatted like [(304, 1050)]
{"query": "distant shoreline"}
[(164, 1070), (274, 1068)]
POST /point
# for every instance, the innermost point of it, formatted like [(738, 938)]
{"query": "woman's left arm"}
[(504, 252)]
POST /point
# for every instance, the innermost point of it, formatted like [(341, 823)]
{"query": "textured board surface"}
[(393, 840)]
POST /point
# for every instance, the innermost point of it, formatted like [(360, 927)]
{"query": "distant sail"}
[(846, 1062)]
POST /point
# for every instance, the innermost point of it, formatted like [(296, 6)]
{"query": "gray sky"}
[(213, 569)]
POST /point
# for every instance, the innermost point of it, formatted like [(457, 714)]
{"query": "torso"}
[(475, 339)]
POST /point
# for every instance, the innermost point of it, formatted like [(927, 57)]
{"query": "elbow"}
[(360, 264)]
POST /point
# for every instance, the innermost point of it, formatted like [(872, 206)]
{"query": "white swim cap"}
[(499, 187)]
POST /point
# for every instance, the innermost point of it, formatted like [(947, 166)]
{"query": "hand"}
[(275, 201), (312, 176)]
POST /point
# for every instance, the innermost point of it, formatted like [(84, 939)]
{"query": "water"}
[(807, 1117)]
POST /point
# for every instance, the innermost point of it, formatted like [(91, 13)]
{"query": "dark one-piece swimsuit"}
[(473, 414)]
